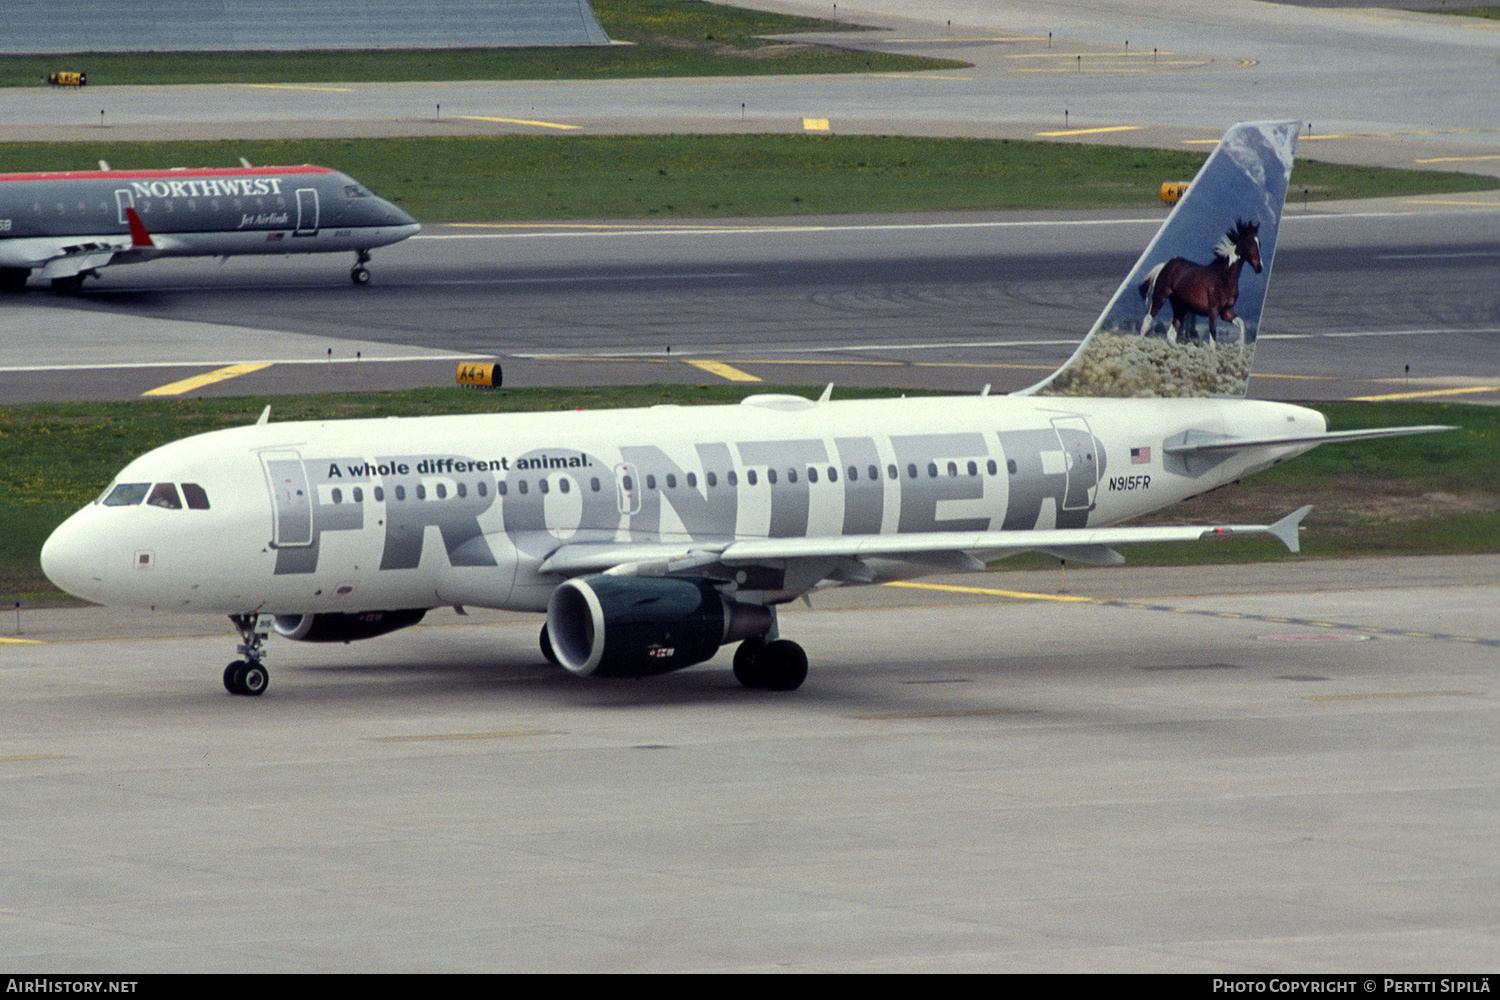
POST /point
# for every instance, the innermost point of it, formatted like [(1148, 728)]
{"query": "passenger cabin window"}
[(126, 494)]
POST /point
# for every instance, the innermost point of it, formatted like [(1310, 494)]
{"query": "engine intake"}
[(623, 626), (341, 627)]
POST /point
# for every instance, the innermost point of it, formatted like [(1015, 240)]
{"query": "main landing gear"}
[(249, 676), (359, 274), (73, 283), (777, 665)]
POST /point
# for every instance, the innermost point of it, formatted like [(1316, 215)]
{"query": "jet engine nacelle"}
[(341, 627), (625, 626)]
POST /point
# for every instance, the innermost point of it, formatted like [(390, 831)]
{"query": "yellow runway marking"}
[(1090, 131), (815, 124), (724, 371), (296, 86), (1457, 159), (209, 378), (1430, 392), (518, 121), (20, 642), (992, 592)]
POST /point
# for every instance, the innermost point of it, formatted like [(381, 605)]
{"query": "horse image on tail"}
[(1203, 289)]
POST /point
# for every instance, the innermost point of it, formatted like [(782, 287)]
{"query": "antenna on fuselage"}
[(827, 394), (244, 163), (265, 416), (103, 164)]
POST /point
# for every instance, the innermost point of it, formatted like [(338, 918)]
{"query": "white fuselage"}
[(349, 516)]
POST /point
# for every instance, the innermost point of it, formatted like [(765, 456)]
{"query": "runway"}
[(1284, 769), (1367, 299)]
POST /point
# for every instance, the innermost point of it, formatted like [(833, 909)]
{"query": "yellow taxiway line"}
[(518, 121), (1427, 392), (719, 368), (209, 378)]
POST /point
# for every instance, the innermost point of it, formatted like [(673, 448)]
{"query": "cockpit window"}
[(126, 494), (355, 191), (165, 495), (195, 496)]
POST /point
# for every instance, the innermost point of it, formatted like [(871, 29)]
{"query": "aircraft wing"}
[(64, 257), (59, 258), (1081, 544)]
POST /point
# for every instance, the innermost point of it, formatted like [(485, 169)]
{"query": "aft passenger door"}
[(1080, 459)]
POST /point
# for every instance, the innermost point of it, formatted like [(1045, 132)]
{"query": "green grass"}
[(511, 178), (671, 38), (1368, 495), (1492, 13)]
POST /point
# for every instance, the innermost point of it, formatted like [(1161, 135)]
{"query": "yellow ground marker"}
[(1430, 392), (719, 368), (815, 124), (20, 642), (1458, 159), (209, 378), (1090, 131), (518, 121), (1024, 595)]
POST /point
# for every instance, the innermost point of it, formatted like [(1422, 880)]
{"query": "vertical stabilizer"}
[(1185, 321)]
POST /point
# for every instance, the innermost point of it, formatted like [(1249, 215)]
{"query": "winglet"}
[(1286, 530), (140, 237)]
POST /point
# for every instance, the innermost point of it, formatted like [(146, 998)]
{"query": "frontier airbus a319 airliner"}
[(652, 537), (67, 226)]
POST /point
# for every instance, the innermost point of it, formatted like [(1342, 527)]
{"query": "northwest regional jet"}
[(652, 537), (69, 225)]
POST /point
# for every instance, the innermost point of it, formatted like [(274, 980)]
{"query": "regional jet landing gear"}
[(249, 676), (359, 274)]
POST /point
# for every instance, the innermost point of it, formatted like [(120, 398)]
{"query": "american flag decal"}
[(1140, 456)]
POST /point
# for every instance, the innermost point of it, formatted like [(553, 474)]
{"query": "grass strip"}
[(1433, 494)]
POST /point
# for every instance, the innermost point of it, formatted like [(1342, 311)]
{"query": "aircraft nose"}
[(70, 558), (400, 217)]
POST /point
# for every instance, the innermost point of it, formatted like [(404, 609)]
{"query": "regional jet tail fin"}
[(1185, 321)]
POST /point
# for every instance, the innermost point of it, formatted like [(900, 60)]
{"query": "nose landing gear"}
[(359, 274), (249, 676)]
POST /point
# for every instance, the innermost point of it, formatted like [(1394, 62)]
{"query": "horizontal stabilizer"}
[(1219, 444)]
